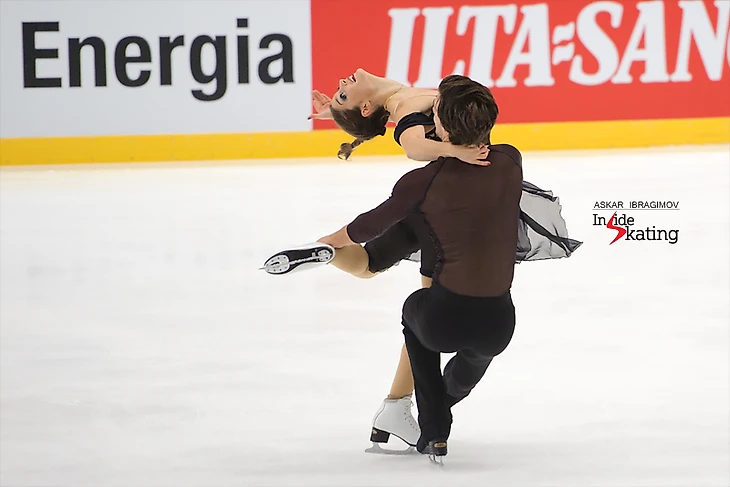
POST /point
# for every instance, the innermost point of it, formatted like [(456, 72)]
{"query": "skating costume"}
[(542, 232)]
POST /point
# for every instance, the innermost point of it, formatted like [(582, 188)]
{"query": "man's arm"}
[(407, 194)]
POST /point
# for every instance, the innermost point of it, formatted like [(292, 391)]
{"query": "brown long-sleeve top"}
[(468, 218)]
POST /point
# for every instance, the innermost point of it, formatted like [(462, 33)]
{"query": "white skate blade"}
[(384, 451), (299, 258)]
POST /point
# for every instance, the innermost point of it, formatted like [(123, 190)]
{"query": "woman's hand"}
[(321, 104), (476, 155)]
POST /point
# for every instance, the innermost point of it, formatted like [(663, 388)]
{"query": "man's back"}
[(465, 218), (472, 213)]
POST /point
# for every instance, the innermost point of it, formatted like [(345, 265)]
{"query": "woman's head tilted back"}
[(353, 110)]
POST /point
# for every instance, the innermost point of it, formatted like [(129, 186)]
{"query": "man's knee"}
[(476, 358), (463, 372)]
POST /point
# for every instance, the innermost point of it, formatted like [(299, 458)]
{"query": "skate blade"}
[(382, 451), (288, 261), (438, 460)]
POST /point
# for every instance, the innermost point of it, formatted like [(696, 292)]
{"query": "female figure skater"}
[(365, 103), (362, 106)]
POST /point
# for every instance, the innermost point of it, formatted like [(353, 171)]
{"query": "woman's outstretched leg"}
[(354, 260)]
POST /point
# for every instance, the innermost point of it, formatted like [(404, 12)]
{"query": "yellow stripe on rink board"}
[(325, 143), (614, 134)]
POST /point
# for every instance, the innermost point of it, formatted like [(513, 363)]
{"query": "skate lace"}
[(409, 415)]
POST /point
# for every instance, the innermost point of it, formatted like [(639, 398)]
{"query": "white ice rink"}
[(140, 345)]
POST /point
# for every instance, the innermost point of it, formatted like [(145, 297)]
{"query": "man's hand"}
[(338, 239)]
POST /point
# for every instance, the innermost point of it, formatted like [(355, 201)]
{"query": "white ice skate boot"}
[(297, 258), (395, 418)]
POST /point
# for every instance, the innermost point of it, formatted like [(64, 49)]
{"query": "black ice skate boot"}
[(299, 258)]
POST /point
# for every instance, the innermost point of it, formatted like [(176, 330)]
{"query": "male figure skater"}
[(465, 218)]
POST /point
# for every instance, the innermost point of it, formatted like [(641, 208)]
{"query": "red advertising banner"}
[(550, 61)]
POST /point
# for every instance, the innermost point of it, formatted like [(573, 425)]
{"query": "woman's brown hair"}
[(362, 128)]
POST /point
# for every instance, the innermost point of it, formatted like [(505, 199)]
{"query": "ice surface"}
[(140, 345)]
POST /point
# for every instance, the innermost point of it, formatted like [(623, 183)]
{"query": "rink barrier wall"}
[(325, 143)]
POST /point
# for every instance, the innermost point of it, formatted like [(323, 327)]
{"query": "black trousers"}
[(436, 321)]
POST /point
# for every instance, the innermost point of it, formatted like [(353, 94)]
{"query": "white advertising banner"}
[(122, 67)]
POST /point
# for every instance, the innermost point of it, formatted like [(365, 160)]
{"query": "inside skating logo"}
[(631, 227)]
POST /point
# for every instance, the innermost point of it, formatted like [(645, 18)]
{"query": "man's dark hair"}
[(467, 110)]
